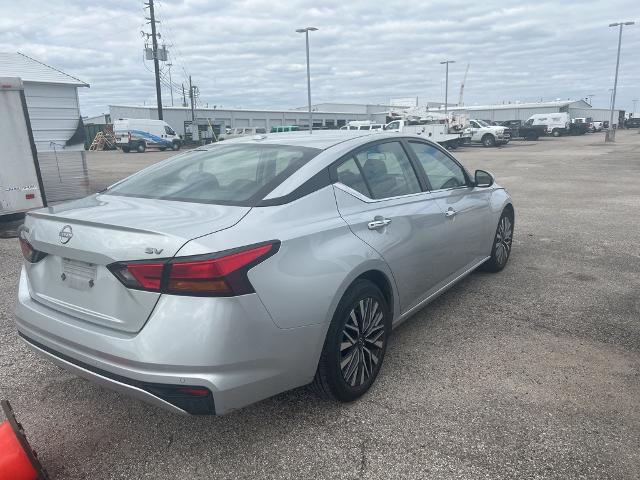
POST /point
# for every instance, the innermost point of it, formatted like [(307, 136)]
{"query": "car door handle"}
[(450, 213), (378, 223)]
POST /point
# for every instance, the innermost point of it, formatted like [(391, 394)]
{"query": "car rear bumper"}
[(230, 346)]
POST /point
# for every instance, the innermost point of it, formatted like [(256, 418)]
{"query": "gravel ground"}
[(530, 373)]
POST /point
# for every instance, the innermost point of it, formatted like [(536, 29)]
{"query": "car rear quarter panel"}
[(318, 259)]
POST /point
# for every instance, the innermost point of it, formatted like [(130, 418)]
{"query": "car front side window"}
[(442, 172)]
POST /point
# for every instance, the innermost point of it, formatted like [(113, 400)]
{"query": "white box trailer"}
[(21, 187)]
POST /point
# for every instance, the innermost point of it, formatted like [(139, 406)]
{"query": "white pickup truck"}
[(488, 135), (436, 132)]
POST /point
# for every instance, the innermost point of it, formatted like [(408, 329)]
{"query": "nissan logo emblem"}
[(65, 234)]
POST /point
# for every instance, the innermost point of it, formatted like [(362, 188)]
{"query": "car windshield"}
[(240, 174), (483, 123)]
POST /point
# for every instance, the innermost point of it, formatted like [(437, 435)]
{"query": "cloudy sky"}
[(246, 53)]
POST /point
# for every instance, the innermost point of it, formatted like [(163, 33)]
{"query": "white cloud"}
[(247, 53)]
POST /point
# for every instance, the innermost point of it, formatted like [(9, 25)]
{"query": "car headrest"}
[(374, 166)]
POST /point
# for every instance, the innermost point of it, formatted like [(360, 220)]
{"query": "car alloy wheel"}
[(501, 247), (503, 240), (355, 344), (362, 343)]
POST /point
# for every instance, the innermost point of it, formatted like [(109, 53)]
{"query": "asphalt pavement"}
[(531, 373)]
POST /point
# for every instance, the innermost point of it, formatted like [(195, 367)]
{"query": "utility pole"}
[(635, 101), (446, 87), (156, 65), (193, 113), (611, 134), (169, 65), (590, 97), (184, 97)]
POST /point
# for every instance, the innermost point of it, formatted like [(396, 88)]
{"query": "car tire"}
[(175, 146), (141, 147), (125, 149), (555, 132), (355, 344), (502, 241), (489, 140)]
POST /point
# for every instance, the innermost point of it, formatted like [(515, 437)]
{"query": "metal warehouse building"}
[(522, 111), (180, 117), (54, 111)]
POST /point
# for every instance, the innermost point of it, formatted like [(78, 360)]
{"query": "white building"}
[(54, 112), (522, 111), (180, 117)]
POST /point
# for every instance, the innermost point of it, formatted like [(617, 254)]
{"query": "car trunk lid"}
[(81, 238)]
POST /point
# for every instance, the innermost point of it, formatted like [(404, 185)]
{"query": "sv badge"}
[(151, 250)]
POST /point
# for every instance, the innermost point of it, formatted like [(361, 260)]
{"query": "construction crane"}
[(464, 79)]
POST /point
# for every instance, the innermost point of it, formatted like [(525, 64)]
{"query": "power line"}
[(179, 59)]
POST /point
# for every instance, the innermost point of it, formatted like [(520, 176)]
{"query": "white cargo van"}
[(557, 123), (138, 134), (21, 187)]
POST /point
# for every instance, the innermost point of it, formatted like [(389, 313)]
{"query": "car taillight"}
[(29, 253), (219, 275)]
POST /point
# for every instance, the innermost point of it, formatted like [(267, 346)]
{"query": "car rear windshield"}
[(237, 174)]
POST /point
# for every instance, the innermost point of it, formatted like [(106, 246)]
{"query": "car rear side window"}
[(387, 170), (349, 174), (442, 172), (236, 174)]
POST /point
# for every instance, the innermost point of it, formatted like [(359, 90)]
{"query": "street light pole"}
[(446, 86), (611, 134), (306, 32), (169, 65)]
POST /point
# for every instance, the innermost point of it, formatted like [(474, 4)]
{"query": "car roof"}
[(320, 139)]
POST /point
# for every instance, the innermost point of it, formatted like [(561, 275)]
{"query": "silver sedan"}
[(233, 272)]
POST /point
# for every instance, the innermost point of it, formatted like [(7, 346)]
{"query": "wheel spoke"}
[(374, 358), (362, 315), (345, 346), (373, 330), (349, 337), (374, 323)]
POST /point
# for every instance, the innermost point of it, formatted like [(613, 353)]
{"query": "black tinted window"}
[(441, 171), (388, 171), (227, 174)]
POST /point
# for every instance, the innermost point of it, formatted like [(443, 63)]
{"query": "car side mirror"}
[(483, 179)]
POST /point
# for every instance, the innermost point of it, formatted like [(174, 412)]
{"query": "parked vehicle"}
[(556, 124), (436, 132), (597, 126), (284, 128), (488, 135), (362, 125), (633, 122), (21, 187), (580, 126), (520, 130), (251, 266), (244, 131), (138, 134)]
